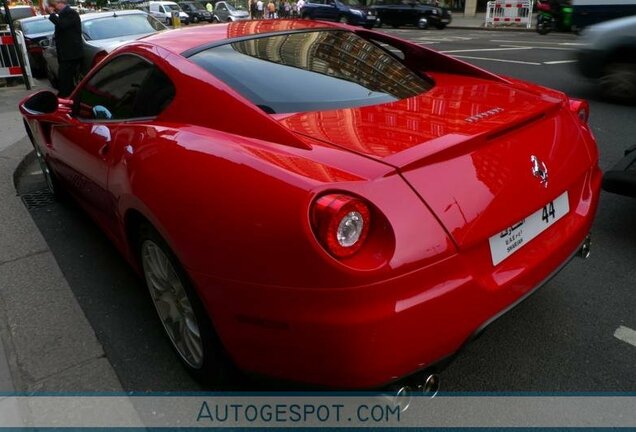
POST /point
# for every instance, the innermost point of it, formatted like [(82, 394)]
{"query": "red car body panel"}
[(230, 189)]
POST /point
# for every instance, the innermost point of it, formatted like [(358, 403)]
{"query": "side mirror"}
[(44, 102), (45, 43), (100, 112)]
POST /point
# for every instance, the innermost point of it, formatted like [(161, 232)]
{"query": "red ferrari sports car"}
[(321, 203)]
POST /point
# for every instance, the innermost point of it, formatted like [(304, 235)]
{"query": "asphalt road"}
[(560, 339)]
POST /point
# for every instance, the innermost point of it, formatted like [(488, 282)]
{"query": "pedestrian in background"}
[(259, 8), (299, 7), (209, 7), (271, 10), (68, 42)]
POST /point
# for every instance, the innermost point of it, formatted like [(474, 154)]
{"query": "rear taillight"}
[(581, 109), (99, 57), (341, 223), (32, 46)]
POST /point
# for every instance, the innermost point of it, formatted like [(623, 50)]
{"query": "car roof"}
[(185, 39), (96, 15), (34, 18)]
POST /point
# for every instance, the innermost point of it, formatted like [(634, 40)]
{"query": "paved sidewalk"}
[(46, 342)]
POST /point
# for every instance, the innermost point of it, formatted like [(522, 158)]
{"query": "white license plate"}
[(515, 237)]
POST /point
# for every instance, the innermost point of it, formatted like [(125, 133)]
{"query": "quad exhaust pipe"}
[(427, 385)]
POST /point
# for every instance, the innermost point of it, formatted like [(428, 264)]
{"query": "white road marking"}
[(498, 60), (536, 42), (559, 62), (626, 334), (543, 48), (487, 49)]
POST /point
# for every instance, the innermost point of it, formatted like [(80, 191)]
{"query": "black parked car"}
[(196, 11), (345, 11), (35, 29), (421, 14)]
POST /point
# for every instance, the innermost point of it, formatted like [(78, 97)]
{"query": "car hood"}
[(461, 144), (111, 44)]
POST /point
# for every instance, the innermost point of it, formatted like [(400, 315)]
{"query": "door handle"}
[(103, 150)]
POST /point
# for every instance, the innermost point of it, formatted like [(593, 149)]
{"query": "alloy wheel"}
[(172, 304)]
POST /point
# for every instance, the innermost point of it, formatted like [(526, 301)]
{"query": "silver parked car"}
[(102, 32), (225, 12)]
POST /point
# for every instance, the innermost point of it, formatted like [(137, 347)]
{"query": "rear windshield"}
[(311, 71), (19, 12), (120, 25), (37, 26)]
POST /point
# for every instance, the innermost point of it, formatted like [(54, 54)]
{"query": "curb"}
[(22, 166)]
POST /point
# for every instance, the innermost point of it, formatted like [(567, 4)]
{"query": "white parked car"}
[(162, 10)]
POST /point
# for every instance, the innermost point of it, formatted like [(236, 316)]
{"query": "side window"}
[(126, 87)]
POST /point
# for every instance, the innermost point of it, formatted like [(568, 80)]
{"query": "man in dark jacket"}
[(68, 41)]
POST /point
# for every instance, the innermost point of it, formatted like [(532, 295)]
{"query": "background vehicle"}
[(607, 53), (621, 179), (345, 11), (162, 10), (589, 12), (17, 12), (196, 11), (398, 13), (339, 233), (548, 20), (35, 30), (225, 12), (103, 32)]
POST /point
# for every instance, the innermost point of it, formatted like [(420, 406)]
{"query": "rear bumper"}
[(362, 20), (369, 336)]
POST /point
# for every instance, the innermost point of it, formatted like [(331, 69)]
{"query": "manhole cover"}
[(38, 199)]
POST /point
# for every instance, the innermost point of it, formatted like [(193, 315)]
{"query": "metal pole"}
[(25, 77)]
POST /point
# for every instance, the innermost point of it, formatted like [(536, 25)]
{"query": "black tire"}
[(216, 368), (618, 82), (195, 20), (440, 26), (543, 28), (343, 19), (394, 25)]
